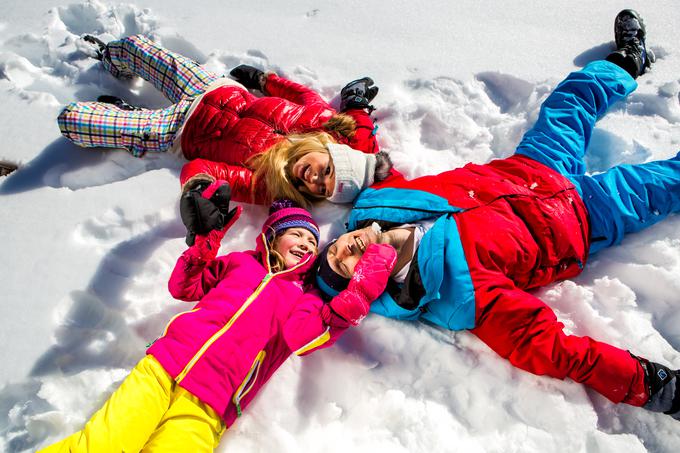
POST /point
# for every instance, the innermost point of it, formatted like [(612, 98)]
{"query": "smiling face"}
[(314, 174), (293, 244), (347, 250)]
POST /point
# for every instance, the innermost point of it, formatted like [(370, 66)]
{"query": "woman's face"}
[(293, 244), (345, 253), (314, 174)]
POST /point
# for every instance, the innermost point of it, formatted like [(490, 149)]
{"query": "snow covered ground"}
[(89, 237)]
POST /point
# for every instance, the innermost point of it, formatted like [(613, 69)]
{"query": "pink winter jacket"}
[(247, 322)]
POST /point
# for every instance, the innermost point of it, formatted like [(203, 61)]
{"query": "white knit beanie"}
[(354, 171)]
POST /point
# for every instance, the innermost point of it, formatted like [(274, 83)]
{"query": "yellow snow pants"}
[(151, 413)]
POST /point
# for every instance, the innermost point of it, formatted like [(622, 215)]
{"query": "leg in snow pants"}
[(97, 124), (622, 200), (150, 413)]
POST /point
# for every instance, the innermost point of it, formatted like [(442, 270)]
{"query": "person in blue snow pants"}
[(473, 241), (625, 198)]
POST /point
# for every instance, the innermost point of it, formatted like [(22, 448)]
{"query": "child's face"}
[(293, 244)]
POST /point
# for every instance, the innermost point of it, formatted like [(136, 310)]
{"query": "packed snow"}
[(89, 237)]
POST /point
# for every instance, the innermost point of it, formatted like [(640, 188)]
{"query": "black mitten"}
[(358, 94), (201, 215), (248, 76), (221, 199)]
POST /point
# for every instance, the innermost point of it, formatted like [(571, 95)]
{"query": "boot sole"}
[(6, 168), (635, 15)]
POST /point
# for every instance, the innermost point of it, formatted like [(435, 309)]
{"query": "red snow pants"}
[(524, 330)]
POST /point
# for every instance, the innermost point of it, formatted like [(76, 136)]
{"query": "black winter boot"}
[(6, 168), (663, 385), (358, 94), (101, 52), (118, 102), (631, 51), (98, 45)]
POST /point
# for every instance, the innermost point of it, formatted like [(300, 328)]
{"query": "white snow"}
[(89, 237)]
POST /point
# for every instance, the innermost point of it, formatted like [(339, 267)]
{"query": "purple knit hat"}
[(284, 214)]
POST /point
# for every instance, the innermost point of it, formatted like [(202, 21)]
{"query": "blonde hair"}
[(276, 262), (274, 165)]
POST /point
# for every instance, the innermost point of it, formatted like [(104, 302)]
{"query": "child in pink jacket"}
[(255, 309)]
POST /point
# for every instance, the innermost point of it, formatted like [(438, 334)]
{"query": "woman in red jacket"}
[(252, 142)]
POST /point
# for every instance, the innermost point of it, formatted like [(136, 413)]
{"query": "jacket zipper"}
[(248, 382), (165, 331), (224, 328), (180, 377), (460, 210), (318, 341), (431, 211)]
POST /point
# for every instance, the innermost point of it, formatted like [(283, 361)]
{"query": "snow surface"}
[(89, 237)]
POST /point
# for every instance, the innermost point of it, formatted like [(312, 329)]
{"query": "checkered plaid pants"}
[(97, 124)]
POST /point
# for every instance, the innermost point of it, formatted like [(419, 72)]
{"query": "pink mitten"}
[(366, 285)]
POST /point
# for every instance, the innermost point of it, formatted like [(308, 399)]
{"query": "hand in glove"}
[(205, 247), (205, 208), (358, 94), (368, 282), (248, 76)]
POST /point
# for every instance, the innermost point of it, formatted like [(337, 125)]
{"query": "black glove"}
[(201, 215), (247, 76), (358, 94)]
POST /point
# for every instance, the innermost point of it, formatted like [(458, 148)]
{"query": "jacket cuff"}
[(263, 81), (196, 180)]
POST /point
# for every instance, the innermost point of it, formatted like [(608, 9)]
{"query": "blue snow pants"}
[(625, 198)]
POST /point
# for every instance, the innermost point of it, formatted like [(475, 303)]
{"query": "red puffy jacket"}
[(229, 125)]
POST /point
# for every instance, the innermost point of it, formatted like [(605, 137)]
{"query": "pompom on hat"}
[(354, 171), (284, 214)]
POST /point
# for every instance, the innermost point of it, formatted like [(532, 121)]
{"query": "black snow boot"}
[(101, 52), (631, 51), (358, 94), (98, 45), (118, 102), (663, 385), (6, 168)]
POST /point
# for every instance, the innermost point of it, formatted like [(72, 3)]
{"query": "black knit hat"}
[(329, 281)]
